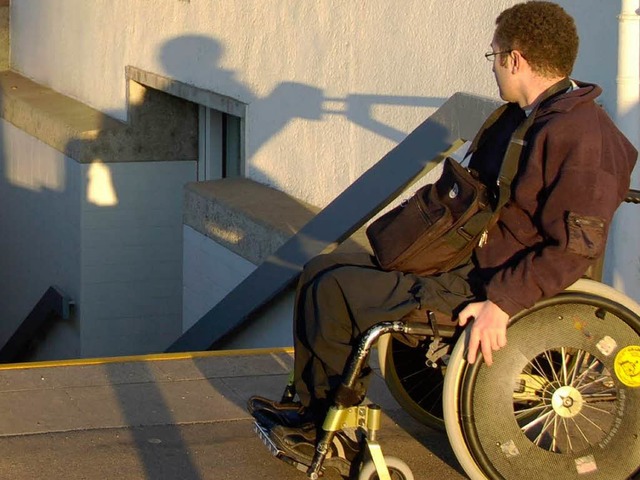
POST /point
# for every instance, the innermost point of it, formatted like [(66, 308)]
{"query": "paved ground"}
[(178, 418)]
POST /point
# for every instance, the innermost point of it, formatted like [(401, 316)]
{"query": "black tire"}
[(414, 385)]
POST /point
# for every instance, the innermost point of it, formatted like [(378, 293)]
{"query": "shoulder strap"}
[(511, 157), (491, 119)]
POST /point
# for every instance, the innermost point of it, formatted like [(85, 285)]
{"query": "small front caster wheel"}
[(398, 470)]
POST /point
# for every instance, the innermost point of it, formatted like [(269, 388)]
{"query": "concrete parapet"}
[(248, 218), (160, 127)]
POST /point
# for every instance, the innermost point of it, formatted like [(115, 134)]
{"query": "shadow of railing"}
[(421, 151), (53, 305)]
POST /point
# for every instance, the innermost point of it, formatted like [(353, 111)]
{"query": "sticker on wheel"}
[(586, 464), (606, 345), (627, 366)]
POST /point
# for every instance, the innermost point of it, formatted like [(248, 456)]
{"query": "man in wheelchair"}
[(573, 173)]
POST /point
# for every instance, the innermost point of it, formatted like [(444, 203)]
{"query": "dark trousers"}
[(339, 296)]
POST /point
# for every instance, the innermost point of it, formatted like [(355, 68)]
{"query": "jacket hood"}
[(586, 92)]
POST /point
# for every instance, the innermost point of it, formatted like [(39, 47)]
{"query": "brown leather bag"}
[(438, 228)]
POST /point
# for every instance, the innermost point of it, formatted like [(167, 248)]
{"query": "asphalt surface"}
[(170, 418)]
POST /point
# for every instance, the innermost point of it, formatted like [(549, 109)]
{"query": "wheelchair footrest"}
[(263, 434), (341, 461)]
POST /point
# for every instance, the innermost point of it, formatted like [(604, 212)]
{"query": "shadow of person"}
[(337, 221), (187, 56), (197, 59), (288, 101)]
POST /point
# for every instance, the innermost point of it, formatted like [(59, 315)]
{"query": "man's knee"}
[(331, 317), (331, 261)]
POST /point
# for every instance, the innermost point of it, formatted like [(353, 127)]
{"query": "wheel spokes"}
[(568, 400)]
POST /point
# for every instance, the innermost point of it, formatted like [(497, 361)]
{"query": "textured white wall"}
[(330, 85)]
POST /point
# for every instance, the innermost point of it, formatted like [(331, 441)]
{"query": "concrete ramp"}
[(178, 416)]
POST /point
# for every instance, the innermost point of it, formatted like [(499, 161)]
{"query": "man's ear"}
[(517, 60)]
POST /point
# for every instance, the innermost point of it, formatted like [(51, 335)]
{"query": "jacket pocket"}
[(586, 235)]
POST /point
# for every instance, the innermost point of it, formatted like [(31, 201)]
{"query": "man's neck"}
[(534, 88)]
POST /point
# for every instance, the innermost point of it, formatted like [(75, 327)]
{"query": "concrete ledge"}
[(160, 127), (248, 218), (188, 92)]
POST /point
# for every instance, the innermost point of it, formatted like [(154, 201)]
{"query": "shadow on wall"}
[(38, 207), (32, 216), (266, 116), (37, 252), (288, 100)]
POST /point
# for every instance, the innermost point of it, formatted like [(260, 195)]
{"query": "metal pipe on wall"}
[(628, 79), (622, 268)]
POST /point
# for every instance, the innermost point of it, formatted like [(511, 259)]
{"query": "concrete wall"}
[(40, 217), (210, 272), (131, 256), (329, 86), (109, 235)]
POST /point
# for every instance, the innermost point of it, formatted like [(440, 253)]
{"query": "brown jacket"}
[(574, 172)]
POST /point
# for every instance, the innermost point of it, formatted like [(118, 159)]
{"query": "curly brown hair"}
[(543, 32)]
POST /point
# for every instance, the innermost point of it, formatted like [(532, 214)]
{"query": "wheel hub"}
[(567, 401)]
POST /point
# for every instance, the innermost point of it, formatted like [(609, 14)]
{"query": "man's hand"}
[(489, 329)]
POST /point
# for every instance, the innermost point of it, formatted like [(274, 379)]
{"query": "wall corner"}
[(5, 35)]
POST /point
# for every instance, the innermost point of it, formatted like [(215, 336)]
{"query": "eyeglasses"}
[(489, 55)]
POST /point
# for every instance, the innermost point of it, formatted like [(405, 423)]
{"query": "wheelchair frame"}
[(343, 415)]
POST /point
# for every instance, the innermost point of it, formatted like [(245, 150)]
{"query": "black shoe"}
[(299, 444), (269, 413)]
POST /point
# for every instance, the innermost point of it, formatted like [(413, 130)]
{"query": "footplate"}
[(263, 434)]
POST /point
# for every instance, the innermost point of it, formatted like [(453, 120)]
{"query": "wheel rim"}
[(555, 390), (398, 469)]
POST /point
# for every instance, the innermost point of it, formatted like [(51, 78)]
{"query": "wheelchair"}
[(561, 400)]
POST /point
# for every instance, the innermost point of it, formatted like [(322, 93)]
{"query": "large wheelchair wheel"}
[(414, 385), (418, 388), (562, 399)]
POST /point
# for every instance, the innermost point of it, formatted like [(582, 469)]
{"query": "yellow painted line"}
[(154, 357)]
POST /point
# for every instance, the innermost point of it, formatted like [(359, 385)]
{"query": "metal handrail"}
[(53, 304), (633, 196)]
